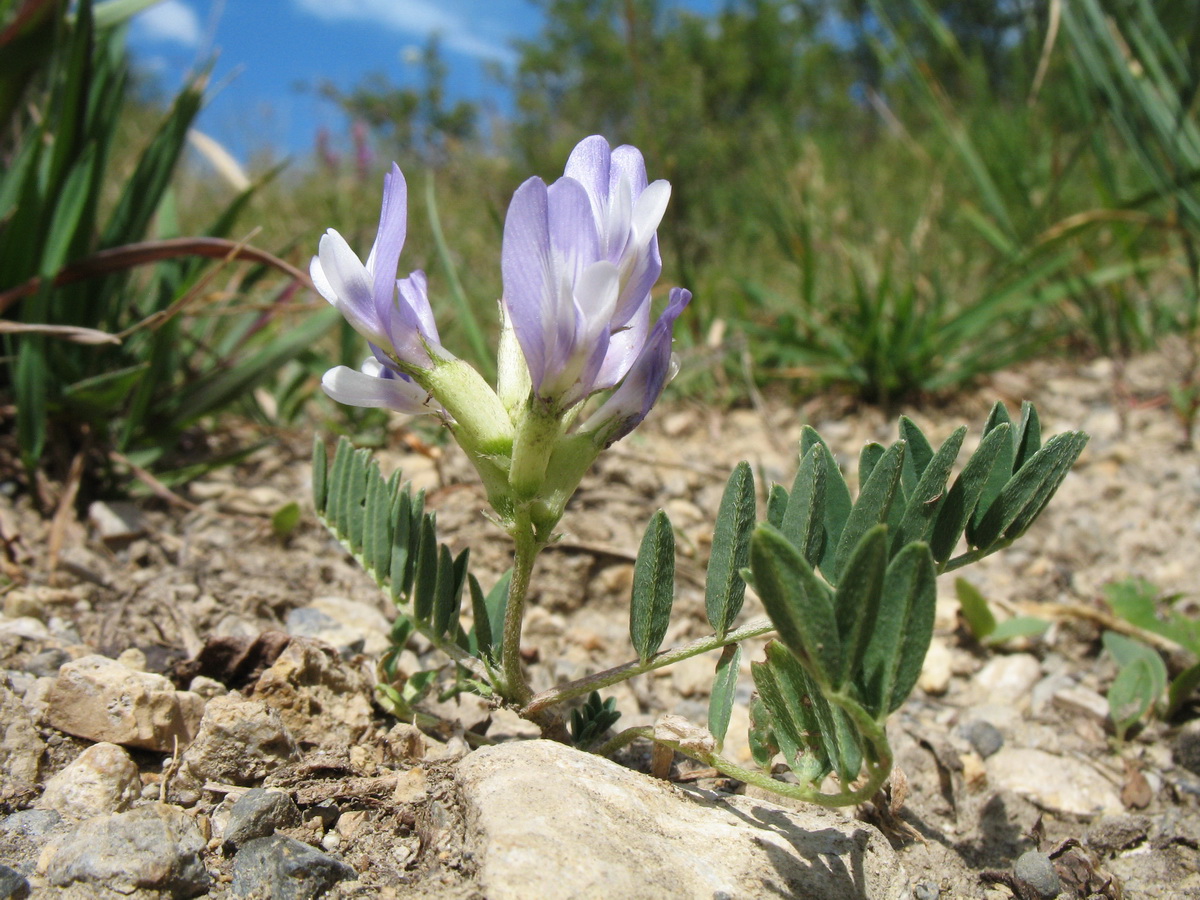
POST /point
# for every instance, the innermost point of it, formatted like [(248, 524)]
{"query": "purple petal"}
[(572, 226), (627, 161), (528, 271), (342, 279), (409, 323), (623, 348), (389, 240), (589, 164), (631, 402)]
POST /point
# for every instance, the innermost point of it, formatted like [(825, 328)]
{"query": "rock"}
[(31, 824), (152, 848), (102, 780), (937, 668), (47, 662), (1185, 749), (350, 625), (101, 700), (258, 813), (13, 885), (319, 696), (1008, 679), (1060, 784), (1035, 871), (116, 522), (545, 820), (983, 736), (239, 742), (1112, 834), (21, 747), (284, 868)]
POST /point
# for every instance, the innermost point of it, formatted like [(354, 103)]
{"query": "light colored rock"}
[(544, 820), (151, 851), (1008, 679), (102, 780), (1056, 783), (101, 700), (320, 698), (937, 668), (20, 746), (118, 521), (362, 618), (240, 741)]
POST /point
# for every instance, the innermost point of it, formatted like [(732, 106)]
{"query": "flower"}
[(393, 315), (579, 259)]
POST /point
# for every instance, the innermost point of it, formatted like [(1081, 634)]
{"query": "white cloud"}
[(171, 21), (423, 18)]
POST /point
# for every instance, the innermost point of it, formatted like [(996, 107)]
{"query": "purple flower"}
[(579, 260), (393, 315), (378, 385)]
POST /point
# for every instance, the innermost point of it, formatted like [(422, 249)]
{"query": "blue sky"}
[(267, 49)]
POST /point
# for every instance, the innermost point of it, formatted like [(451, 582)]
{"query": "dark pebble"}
[(48, 662), (1112, 834), (259, 813), (983, 736), (1037, 872), (1186, 748), (285, 869), (13, 885)]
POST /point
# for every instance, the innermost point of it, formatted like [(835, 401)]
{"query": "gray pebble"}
[(1186, 749), (285, 869), (1036, 871), (983, 736), (13, 885), (48, 662), (33, 824), (258, 813), (927, 890)]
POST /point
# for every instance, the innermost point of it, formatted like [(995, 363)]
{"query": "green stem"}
[(516, 688), (582, 686), (972, 556)]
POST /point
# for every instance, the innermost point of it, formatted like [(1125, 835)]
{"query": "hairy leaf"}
[(724, 692), (653, 587), (724, 589)]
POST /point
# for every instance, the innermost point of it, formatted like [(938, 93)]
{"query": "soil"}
[(213, 568)]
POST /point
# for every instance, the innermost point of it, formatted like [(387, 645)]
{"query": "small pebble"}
[(284, 868), (1111, 834), (1186, 747), (1036, 871), (983, 736), (258, 813), (13, 885), (927, 890)]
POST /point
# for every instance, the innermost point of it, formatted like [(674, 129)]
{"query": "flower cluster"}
[(579, 261)]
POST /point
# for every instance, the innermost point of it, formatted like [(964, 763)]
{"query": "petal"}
[(595, 298), (637, 280), (353, 388), (572, 223), (589, 164), (348, 284), (389, 240), (410, 324), (649, 209), (627, 162), (623, 348), (527, 270), (630, 403)]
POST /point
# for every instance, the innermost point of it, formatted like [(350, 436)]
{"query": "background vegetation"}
[(886, 199)]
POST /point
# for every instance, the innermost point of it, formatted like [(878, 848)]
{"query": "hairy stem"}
[(516, 688), (582, 686)]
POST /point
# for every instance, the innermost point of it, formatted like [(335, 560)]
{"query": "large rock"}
[(544, 820), (149, 851), (103, 779), (101, 700), (1060, 784), (240, 742)]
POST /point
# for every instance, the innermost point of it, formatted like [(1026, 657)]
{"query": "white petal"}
[(345, 385), (649, 209)]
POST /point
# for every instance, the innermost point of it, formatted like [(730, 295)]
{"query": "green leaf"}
[(965, 493), (1027, 439), (1028, 491), (425, 572), (918, 457), (724, 692), (1017, 627), (857, 600), (1000, 471), (724, 589), (1182, 687), (653, 587), (873, 504), (803, 522), (785, 724), (320, 475), (927, 496), (1140, 682), (285, 519), (837, 496), (868, 459), (479, 641), (777, 503), (761, 737), (798, 603), (338, 481), (447, 592), (378, 524), (497, 603), (831, 741), (903, 629), (975, 609)]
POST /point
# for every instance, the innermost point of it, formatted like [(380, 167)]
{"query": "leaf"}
[(497, 603), (1017, 627), (1027, 439), (653, 587), (425, 572), (803, 522), (784, 728), (837, 496), (1028, 491), (903, 629), (724, 692), (285, 519), (964, 495), (777, 503), (927, 496), (873, 504), (975, 609), (919, 455), (1000, 471), (1182, 687), (320, 475), (832, 743), (798, 603), (447, 592), (868, 459), (1140, 682), (724, 589), (857, 600), (761, 737)]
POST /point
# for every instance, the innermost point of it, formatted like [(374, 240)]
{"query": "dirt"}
[(213, 567)]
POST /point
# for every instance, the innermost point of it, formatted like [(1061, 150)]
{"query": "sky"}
[(271, 54)]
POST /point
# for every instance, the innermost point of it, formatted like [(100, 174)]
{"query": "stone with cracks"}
[(545, 820)]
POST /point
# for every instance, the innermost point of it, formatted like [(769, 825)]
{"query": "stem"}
[(589, 683), (972, 556), (516, 688)]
